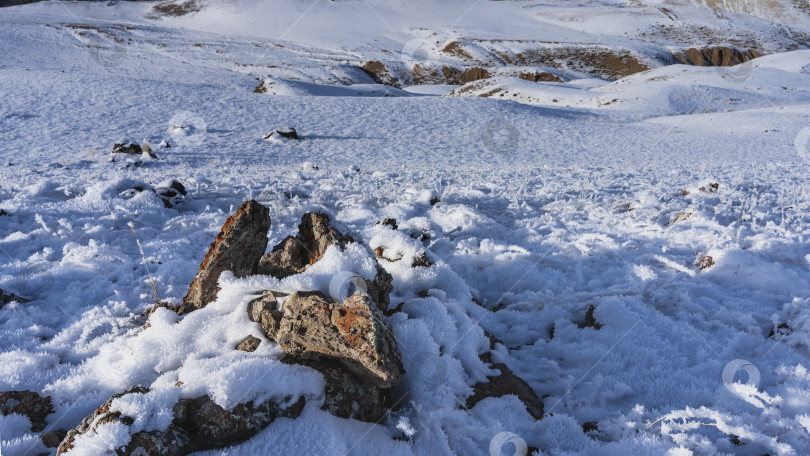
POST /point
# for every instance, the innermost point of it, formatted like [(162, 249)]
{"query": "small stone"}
[(52, 439), (421, 260), (590, 320), (507, 383), (249, 344)]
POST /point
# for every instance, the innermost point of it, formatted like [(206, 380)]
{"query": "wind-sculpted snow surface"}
[(642, 265)]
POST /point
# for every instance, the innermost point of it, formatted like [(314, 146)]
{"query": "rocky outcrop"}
[(237, 248), (293, 254), (379, 73), (354, 332), (540, 76), (715, 56), (197, 424), (264, 310), (27, 403)]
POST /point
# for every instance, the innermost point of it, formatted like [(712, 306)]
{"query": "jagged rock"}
[(715, 56), (27, 403), (293, 254), (198, 424), (51, 439), (379, 73), (505, 384), (346, 395), (101, 416), (250, 344), (6, 298), (237, 248), (354, 332), (389, 222), (380, 288), (264, 311)]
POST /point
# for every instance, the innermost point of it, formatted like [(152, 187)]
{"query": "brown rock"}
[(472, 74), (507, 383), (379, 73), (542, 76), (264, 311), (421, 260), (174, 441), (250, 344), (292, 255), (354, 332), (27, 403), (237, 248), (715, 56)]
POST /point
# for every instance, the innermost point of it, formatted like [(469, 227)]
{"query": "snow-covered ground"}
[(554, 198)]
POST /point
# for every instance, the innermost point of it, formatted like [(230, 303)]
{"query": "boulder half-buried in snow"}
[(354, 332)]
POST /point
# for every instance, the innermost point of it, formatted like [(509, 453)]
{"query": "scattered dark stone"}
[(421, 260), (292, 255), (589, 426), (422, 294), (27, 403), (435, 200), (590, 320), (389, 222), (782, 330), (52, 439), (6, 298), (250, 344), (3, 213), (735, 440), (354, 332), (507, 383), (237, 248), (127, 148), (704, 262), (284, 133)]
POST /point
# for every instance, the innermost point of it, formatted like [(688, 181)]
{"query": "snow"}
[(546, 208)]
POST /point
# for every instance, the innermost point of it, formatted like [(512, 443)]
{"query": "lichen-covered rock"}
[(505, 384), (237, 248), (101, 416), (293, 254), (354, 332), (27, 403)]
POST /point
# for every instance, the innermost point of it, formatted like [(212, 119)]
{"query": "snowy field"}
[(675, 202)]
